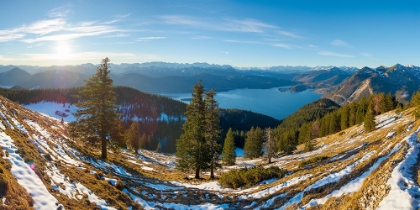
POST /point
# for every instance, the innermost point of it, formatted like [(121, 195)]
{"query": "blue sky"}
[(239, 33)]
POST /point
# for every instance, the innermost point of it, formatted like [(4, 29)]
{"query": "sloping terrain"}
[(359, 170), (398, 80)]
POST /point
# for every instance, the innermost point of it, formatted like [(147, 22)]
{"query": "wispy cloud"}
[(123, 16), (119, 35), (59, 12), (290, 34), (181, 20), (201, 37), (285, 46), (241, 41), (328, 53), (10, 37), (225, 52), (150, 38), (365, 54), (340, 43), (247, 25), (227, 24)]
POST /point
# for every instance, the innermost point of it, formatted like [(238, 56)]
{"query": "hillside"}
[(361, 170), (161, 117), (398, 80)]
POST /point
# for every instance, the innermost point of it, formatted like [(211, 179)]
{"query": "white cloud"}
[(244, 25), (59, 12), (10, 37), (225, 52), (290, 34), (340, 43), (328, 53), (201, 37), (123, 16), (243, 42), (365, 54), (181, 20), (247, 25), (150, 38), (285, 46)]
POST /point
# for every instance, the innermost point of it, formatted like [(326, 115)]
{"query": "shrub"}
[(250, 176), (312, 160)]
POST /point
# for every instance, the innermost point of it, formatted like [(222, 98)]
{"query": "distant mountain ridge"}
[(340, 84), (401, 81)]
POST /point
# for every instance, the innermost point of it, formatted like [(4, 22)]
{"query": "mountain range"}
[(340, 84)]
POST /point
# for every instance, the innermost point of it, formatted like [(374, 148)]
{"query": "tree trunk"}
[(212, 169), (197, 172), (104, 152)]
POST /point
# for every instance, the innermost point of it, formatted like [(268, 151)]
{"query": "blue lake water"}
[(270, 102)]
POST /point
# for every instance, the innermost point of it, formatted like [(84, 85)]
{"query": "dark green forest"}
[(147, 108)]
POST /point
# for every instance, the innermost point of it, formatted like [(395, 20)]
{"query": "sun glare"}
[(63, 50)]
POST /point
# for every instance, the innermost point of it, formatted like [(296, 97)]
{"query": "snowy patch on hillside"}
[(26, 177), (404, 189), (53, 109)]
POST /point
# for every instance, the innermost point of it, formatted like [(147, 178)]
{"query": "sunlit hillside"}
[(43, 168)]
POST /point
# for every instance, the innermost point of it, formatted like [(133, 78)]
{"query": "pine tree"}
[(97, 109), (228, 153), (191, 148), (133, 138), (287, 142), (369, 122), (344, 121), (253, 143), (117, 134), (159, 148), (269, 144), (212, 128)]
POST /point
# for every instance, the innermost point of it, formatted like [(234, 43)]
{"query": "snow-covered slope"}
[(362, 170)]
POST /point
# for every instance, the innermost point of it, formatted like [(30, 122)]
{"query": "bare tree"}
[(269, 144)]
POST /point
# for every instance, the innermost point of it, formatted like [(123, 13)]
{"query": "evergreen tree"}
[(287, 142), (228, 153), (344, 121), (253, 143), (158, 148), (415, 102), (305, 137), (117, 134), (96, 107), (269, 144), (191, 148), (212, 128), (133, 138), (352, 114), (369, 122)]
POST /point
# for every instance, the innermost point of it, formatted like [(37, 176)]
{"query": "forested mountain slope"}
[(161, 118)]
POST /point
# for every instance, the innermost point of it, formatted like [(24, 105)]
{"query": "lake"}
[(270, 102)]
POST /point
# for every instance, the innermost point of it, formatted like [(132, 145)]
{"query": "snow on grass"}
[(272, 190), (146, 168), (214, 185), (334, 177), (74, 190), (404, 189), (355, 184), (106, 166), (155, 205), (26, 177), (57, 150)]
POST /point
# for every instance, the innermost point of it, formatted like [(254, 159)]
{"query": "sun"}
[(63, 50)]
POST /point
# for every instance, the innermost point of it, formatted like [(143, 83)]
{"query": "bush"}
[(248, 177), (312, 160)]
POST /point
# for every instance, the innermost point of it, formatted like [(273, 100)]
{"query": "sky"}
[(241, 33)]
